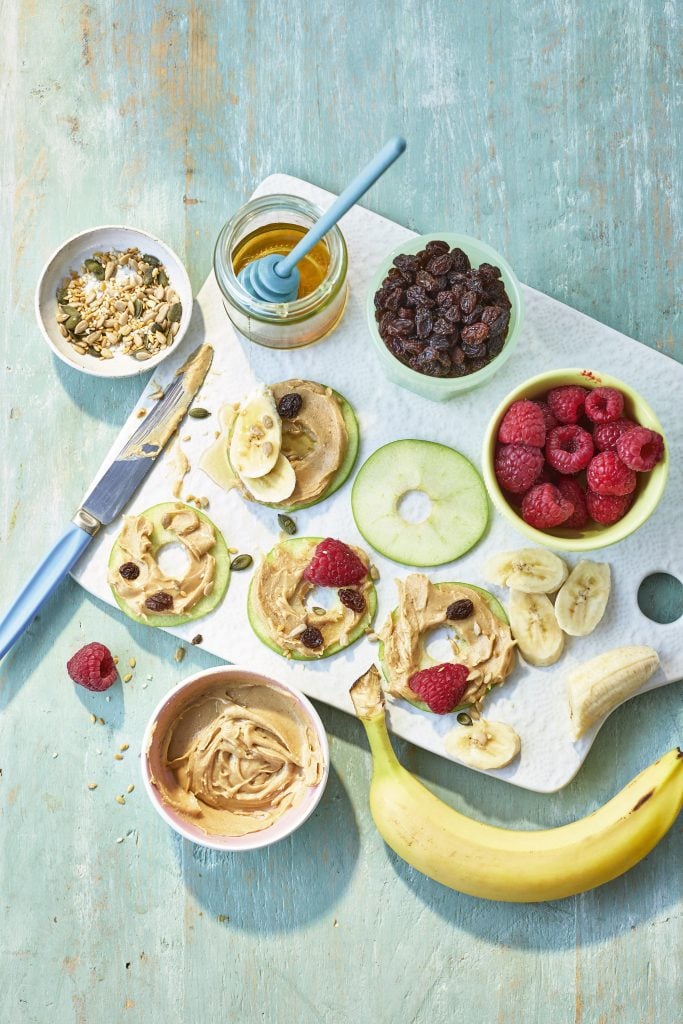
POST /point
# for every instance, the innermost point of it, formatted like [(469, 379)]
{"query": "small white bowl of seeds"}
[(113, 301)]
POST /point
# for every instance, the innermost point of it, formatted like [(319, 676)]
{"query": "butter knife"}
[(109, 496)]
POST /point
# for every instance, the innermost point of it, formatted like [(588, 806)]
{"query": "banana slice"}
[(534, 626), (533, 570), (581, 602), (484, 744), (598, 686), (257, 435), (274, 486)]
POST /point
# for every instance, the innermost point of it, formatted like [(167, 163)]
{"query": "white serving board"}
[(554, 335)]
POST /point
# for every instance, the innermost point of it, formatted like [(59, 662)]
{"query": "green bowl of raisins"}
[(445, 312)]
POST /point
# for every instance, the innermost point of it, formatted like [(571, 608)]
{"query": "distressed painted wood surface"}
[(549, 129)]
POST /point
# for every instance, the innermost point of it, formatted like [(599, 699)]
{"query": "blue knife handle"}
[(42, 584)]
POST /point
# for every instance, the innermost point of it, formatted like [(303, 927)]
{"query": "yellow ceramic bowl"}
[(649, 488)]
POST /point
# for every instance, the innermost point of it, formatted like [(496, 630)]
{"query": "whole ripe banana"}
[(503, 864)]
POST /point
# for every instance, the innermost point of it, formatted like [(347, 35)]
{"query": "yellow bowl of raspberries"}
[(575, 459)]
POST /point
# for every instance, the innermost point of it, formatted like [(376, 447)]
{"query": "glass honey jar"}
[(275, 224)]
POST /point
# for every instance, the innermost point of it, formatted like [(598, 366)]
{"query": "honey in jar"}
[(280, 239)]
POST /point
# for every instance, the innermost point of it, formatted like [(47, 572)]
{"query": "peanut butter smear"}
[(237, 758), (197, 537), (481, 642)]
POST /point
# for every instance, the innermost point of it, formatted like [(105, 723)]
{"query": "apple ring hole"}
[(321, 597), (660, 598), (437, 644), (414, 506), (173, 560)]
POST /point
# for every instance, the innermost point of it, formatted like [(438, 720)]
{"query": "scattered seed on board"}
[(115, 659), (93, 719), (179, 654), (120, 839), (287, 524), (118, 757), (199, 414), (124, 746), (120, 799), (92, 785), (241, 562), (132, 662), (100, 721), (128, 676), (197, 639), (130, 788)]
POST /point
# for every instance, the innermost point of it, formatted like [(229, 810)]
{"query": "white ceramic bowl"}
[(170, 707), (70, 256)]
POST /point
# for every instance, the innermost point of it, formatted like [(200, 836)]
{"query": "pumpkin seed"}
[(152, 260), (95, 268), (464, 719), (93, 352), (175, 312), (73, 321), (199, 414), (319, 611), (71, 310), (241, 562), (137, 308), (147, 276), (62, 295), (287, 524), (162, 278)]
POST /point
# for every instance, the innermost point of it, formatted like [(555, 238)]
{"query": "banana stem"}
[(368, 702)]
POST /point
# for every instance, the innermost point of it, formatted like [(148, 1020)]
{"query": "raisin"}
[(425, 280), (406, 313), (468, 302), (442, 326), (477, 364), (415, 295), (490, 314), (352, 599), (439, 265), (289, 405), (460, 609), (488, 271), (407, 263), (441, 342), (495, 345), (395, 298), (159, 602), (434, 363), (457, 356), (476, 334), (445, 299), (311, 637), (453, 314), (423, 323), (401, 327), (129, 570), (436, 247), (461, 261)]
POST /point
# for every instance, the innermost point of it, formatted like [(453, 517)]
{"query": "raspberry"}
[(569, 448), (606, 435), (607, 474), (334, 564), (93, 667), (603, 405), (523, 423), (517, 466), (573, 492), (608, 508), (640, 449), (441, 687), (544, 506), (548, 417), (567, 403)]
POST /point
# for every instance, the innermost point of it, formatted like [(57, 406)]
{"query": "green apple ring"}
[(425, 661), (341, 475), (261, 629), (161, 536), (459, 504)]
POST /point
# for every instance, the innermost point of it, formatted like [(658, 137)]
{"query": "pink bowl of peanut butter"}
[(234, 760)]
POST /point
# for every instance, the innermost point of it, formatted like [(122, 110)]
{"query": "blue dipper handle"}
[(351, 194)]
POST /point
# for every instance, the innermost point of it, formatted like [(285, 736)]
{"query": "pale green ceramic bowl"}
[(440, 389), (649, 488)]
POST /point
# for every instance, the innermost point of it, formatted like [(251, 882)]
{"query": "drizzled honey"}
[(281, 239)]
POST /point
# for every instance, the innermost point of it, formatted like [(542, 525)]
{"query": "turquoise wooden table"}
[(549, 130)]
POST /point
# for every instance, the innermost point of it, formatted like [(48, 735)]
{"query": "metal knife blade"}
[(119, 483)]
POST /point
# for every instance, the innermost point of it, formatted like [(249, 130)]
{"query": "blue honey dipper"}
[(275, 278)]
